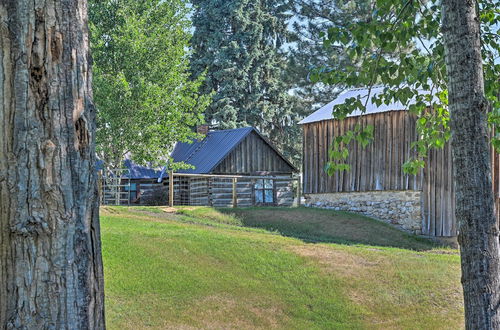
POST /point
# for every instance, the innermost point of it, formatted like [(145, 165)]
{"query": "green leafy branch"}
[(338, 151), (400, 47)]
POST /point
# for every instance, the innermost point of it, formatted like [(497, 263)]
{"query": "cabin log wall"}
[(218, 192)]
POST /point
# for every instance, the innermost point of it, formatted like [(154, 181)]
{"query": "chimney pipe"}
[(202, 129)]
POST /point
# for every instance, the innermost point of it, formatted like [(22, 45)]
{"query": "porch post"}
[(171, 189), (235, 194), (298, 191)]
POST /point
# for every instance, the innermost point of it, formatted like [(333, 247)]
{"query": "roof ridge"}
[(230, 129), (209, 153), (394, 104), (363, 88)]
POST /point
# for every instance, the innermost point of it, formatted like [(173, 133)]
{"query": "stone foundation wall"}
[(401, 208)]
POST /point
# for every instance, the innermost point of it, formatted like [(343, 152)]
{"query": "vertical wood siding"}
[(252, 156), (438, 195), (375, 167)]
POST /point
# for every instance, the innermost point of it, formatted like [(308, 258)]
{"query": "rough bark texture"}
[(50, 259), (478, 229)]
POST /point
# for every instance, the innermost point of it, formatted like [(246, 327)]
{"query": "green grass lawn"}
[(192, 268)]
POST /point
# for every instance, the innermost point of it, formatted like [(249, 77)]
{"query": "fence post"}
[(118, 189), (298, 191), (209, 192), (171, 189), (99, 187), (235, 195), (129, 186)]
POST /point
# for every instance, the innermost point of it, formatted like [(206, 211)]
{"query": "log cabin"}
[(376, 184), (264, 174)]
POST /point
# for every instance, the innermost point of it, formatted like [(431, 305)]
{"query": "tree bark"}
[(50, 250), (478, 229)]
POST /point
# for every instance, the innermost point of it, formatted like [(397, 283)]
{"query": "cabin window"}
[(264, 191), (132, 190)]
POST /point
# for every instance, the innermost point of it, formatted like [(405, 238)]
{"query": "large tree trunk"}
[(50, 259), (478, 229)]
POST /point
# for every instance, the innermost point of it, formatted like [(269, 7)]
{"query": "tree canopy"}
[(308, 52), (143, 93)]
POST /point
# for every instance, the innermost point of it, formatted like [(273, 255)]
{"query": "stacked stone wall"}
[(401, 208)]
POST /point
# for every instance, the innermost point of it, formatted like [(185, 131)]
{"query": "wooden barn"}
[(376, 184), (242, 157)]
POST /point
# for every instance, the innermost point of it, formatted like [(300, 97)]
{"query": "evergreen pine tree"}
[(239, 44), (308, 53)]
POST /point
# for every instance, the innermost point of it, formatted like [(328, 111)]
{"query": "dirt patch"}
[(139, 214), (168, 209), (159, 217), (227, 312), (338, 261), (108, 210)]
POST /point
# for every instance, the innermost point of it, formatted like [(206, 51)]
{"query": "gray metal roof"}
[(206, 154), (135, 171), (326, 112), (140, 172)]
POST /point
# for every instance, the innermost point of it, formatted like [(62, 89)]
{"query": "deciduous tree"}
[(51, 273), (144, 96), (456, 38), (475, 208)]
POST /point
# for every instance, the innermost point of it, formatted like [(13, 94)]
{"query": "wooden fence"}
[(114, 187)]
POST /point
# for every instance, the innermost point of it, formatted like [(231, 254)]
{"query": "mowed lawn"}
[(268, 268)]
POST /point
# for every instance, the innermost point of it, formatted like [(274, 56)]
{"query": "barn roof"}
[(206, 154), (325, 113)]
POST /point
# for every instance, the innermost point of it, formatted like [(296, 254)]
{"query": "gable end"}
[(254, 155)]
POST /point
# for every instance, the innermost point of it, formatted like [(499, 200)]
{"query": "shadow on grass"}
[(326, 226), (310, 225)]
